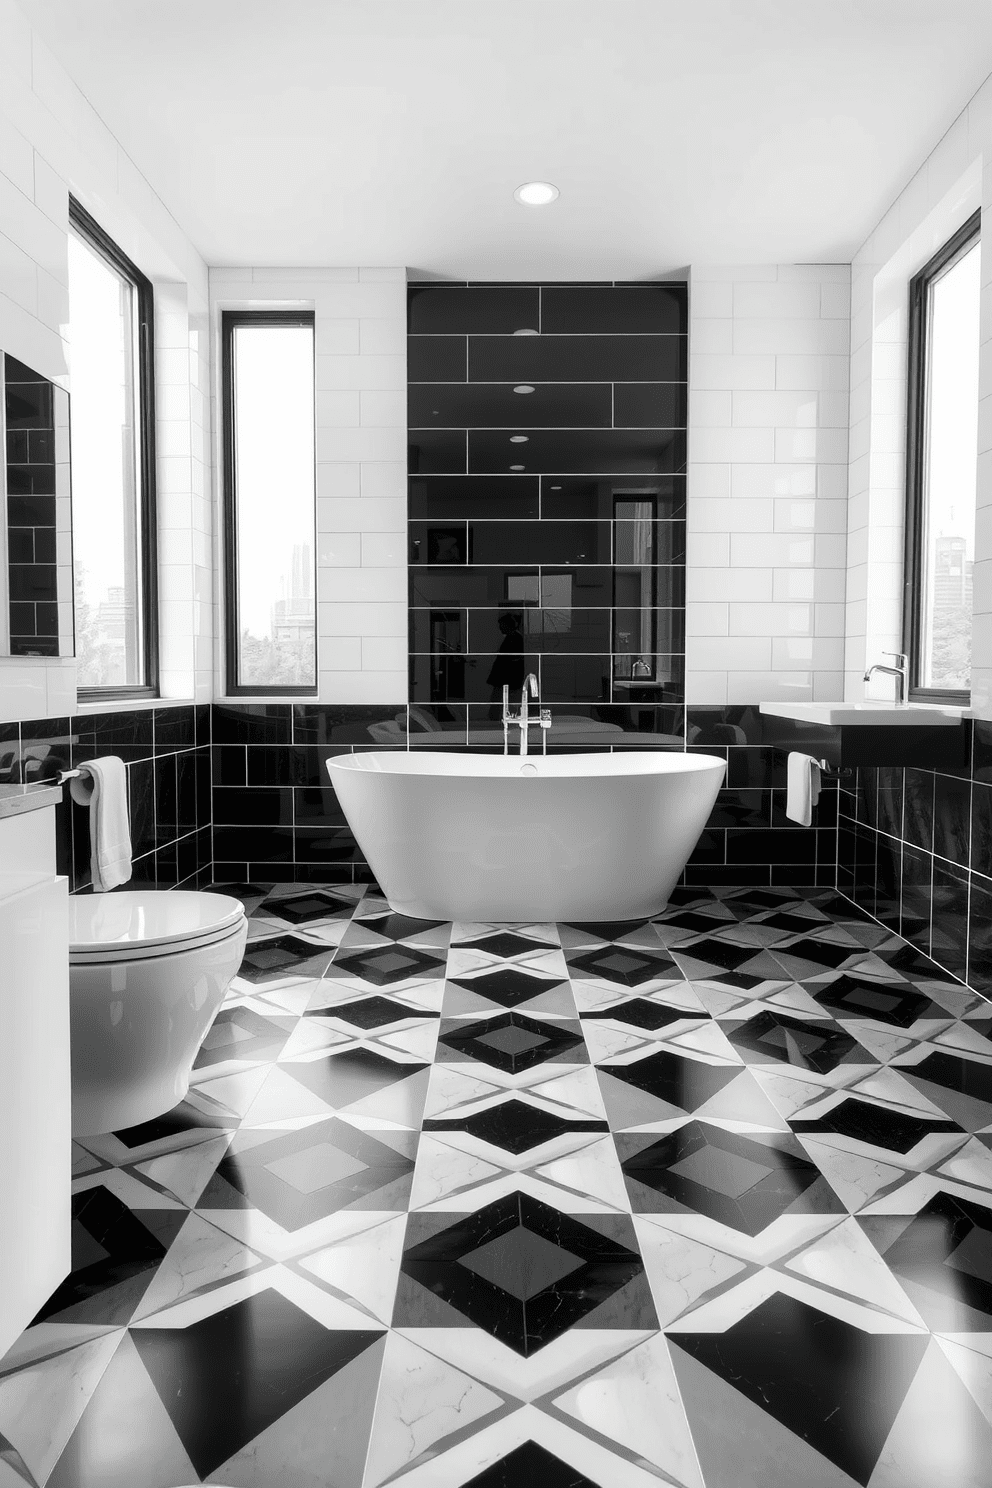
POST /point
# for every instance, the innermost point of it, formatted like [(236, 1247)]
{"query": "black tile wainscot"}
[(748, 838), (547, 496), (915, 852), (167, 754)]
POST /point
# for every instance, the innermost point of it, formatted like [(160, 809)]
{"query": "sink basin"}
[(867, 714)]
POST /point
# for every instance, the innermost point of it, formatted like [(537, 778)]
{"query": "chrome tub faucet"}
[(522, 718)]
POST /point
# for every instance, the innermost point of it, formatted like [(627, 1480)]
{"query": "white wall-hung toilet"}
[(147, 974)]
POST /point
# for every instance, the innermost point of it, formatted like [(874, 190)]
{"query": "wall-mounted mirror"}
[(36, 613)]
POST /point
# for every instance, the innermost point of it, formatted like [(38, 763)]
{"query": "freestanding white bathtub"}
[(466, 836)]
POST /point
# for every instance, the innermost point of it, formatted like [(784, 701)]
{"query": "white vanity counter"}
[(35, 1099)]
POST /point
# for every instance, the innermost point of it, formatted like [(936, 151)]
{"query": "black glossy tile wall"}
[(276, 816), (30, 467), (167, 754), (748, 838), (915, 851), (547, 482)]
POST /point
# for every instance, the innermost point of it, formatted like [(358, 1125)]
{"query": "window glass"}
[(950, 453), (107, 498), (271, 505)]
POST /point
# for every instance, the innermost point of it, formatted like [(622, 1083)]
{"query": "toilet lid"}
[(147, 918)]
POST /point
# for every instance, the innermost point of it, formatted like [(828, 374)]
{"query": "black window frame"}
[(230, 320), (960, 243), (89, 229)]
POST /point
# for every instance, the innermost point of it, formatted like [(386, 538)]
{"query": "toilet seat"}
[(144, 923)]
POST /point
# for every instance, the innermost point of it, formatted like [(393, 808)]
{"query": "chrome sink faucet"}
[(522, 718), (899, 671)]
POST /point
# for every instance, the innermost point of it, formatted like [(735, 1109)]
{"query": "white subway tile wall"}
[(360, 411), (51, 138), (768, 455)]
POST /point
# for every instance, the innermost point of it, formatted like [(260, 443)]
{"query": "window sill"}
[(133, 705)]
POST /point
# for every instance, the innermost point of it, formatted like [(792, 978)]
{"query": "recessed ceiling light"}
[(524, 387), (535, 194), (516, 467), (556, 488), (519, 438)]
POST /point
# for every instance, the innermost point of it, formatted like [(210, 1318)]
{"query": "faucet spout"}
[(529, 690), (899, 672)]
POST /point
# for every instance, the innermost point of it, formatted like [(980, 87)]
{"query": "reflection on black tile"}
[(584, 451), (115, 1251), (635, 309), (227, 1377), (476, 405), (951, 817), (776, 1038), (455, 310), (646, 405), (519, 359), (675, 1079), (845, 1398), (949, 918), (442, 498), (439, 452), (437, 359), (942, 1257), (918, 810)]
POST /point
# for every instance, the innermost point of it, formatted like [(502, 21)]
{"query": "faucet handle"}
[(899, 656)]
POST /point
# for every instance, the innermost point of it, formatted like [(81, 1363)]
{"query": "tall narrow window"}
[(942, 464), (270, 504), (113, 464)]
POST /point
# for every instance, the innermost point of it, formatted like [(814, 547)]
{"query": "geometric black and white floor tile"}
[(703, 1200)]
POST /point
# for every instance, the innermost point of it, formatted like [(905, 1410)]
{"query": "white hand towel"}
[(803, 788), (102, 786)]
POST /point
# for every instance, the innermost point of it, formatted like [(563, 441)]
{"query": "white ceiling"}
[(395, 131)]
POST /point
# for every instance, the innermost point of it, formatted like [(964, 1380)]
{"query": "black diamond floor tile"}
[(874, 1125), (745, 1182), (508, 987), (775, 1038), (396, 926), (952, 1072), (299, 1177), (896, 1003), (513, 1042), (675, 1078), (265, 960), (505, 945), (639, 1012), (527, 1464), (382, 966), (223, 1380), (303, 909), (515, 1126), (370, 1012), (804, 957), (523, 1272), (623, 965)]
